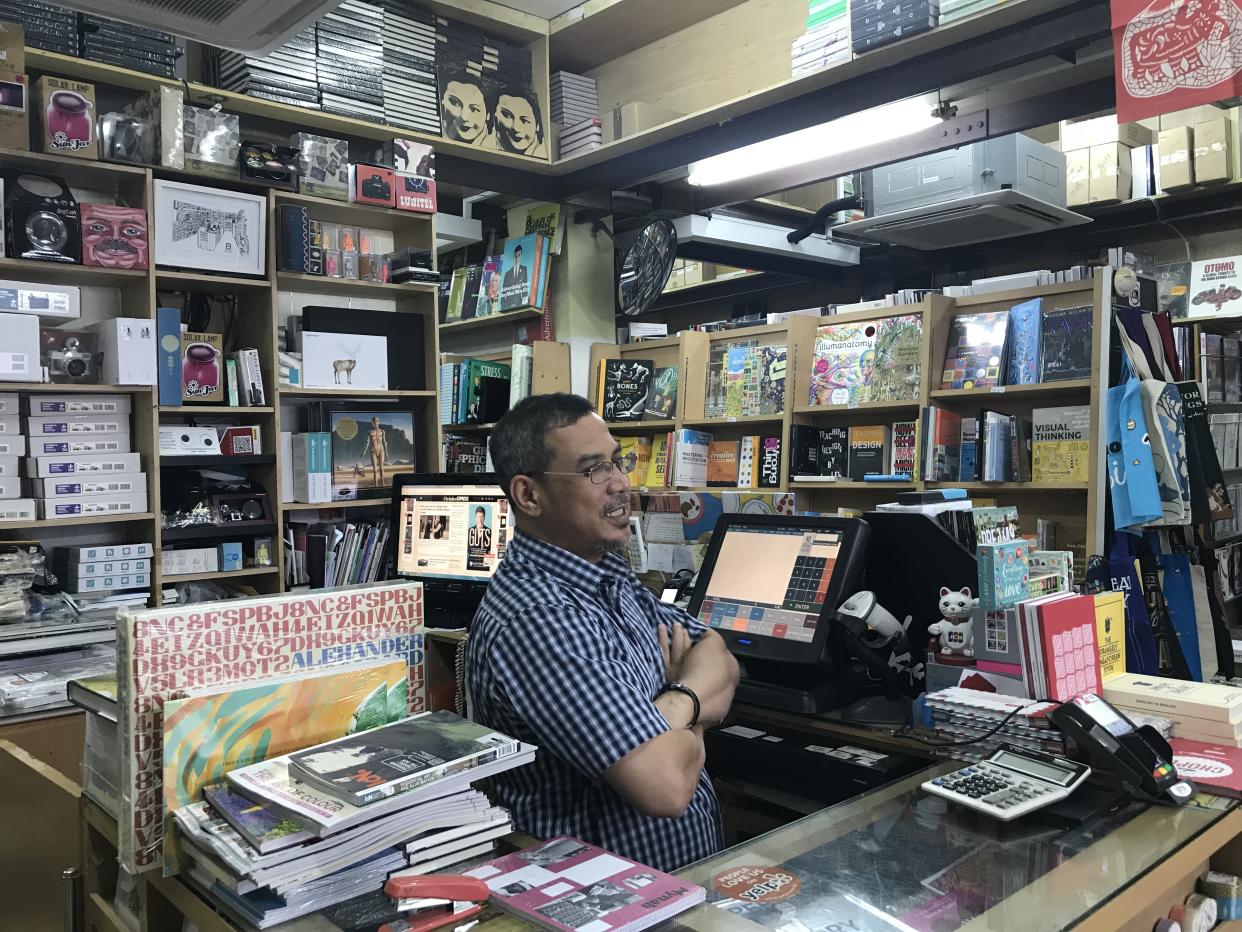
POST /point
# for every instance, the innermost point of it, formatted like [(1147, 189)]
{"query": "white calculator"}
[(1011, 782)]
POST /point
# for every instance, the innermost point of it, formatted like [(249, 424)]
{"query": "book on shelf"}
[(1061, 444), (1004, 572), (466, 454), (941, 431), (487, 303), (1065, 344), (524, 273), (478, 399), (564, 884), (868, 451), (770, 462), (456, 296), (470, 292), (624, 388), (976, 353), (996, 452), (748, 462), (658, 473), (1024, 342), (366, 767), (1059, 645), (689, 456), (722, 463), (896, 372), (662, 401), (842, 359), (772, 365), (905, 446), (717, 401), (967, 468), (312, 467), (804, 448), (521, 373), (1110, 632), (640, 449), (996, 524)]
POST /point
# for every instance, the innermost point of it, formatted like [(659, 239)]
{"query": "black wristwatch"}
[(685, 691)]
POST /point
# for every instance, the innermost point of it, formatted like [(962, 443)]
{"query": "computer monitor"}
[(451, 533), (769, 583)]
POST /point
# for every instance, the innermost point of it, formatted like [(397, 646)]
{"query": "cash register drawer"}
[(815, 767)]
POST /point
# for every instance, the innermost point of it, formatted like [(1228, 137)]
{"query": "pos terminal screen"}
[(771, 581)]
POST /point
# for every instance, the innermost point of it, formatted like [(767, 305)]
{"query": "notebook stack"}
[(288, 75), (349, 60), (47, 27), (959, 714), (878, 22), (464, 47), (574, 98), (1207, 712), (579, 138), (134, 47), (826, 40), (410, 98), (301, 832)]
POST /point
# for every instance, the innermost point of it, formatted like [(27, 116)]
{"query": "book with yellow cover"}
[(722, 463), (1110, 633), (1060, 444), (657, 466)]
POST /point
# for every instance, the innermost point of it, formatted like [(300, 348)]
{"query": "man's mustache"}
[(117, 245)]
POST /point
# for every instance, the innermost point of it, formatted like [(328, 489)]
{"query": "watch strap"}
[(685, 691)]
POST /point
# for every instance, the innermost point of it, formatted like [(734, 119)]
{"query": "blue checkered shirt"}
[(563, 654)]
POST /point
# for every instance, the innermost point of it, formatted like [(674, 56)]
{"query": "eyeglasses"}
[(601, 473)]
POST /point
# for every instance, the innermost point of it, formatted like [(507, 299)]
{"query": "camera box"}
[(10, 487), (12, 49), (230, 556), (52, 304), (114, 237), (415, 193), (10, 403), (14, 111), (72, 445), (19, 358), (104, 552), (77, 486), (66, 117), (189, 561), (10, 425), (202, 368), (1177, 169), (69, 355), (372, 184), (79, 404), (323, 166), (44, 467), (84, 506), (127, 345), (57, 424), (17, 509), (13, 445)]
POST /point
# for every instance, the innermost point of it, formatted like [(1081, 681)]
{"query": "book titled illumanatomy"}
[(403, 756)]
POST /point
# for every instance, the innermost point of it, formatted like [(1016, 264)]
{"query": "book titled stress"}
[(565, 884), (373, 765)]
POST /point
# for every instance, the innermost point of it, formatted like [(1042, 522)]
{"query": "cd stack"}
[(506, 64), (953, 10), (350, 60), (410, 98), (288, 75), (960, 714), (463, 48), (579, 138), (827, 37), (47, 27), (134, 47), (574, 98), (879, 22)]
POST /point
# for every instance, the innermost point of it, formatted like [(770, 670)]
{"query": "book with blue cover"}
[(1066, 344), (966, 454), (1024, 343), (1004, 572), (263, 827)]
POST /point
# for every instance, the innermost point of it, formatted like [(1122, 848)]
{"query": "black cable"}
[(903, 733), (818, 221)]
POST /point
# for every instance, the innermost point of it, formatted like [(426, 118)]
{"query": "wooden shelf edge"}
[(214, 409), (328, 506), (80, 519), (861, 407), (294, 391), (475, 323), (222, 574), (1035, 390), (76, 388)]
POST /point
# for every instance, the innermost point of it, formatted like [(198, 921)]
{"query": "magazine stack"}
[(307, 830)]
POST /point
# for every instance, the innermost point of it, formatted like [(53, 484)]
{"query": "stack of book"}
[(288, 75), (336, 553), (1025, 345), (101, 757), (37, 683), (1208, 712), (460, 46), (745, 379), (128, 46), (827, 37), (575, 98), (100, 581), (349, 59), (820, 454), (474, 391), (411, 100), (953, 10), (960, 714), (47, 26), (303, 831), (576, 138)]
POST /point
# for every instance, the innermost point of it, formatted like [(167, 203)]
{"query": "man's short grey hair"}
[(519, 442)]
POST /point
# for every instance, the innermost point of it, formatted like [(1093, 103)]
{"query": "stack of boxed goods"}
[(102, 580), (575, 113), (1105, 161), (878, 22), (134, 47), (1206, 712), (827, 37), (288, 75), (101, 758), (349, 47), (410, 97)]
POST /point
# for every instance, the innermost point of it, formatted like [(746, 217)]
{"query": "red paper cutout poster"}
[(1173, 54)]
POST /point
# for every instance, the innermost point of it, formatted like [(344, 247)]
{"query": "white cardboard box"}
[(8, 466), (345, 361), (13, 445), (89, 485), (105, 552), (19, 356), (128, 347), (86, 506), (76, 424), (11, 487), (85, 443), (192, 560), (43, 467), (10, 424), (109, 568), (10, 402), (17, 509), (109, 583), (42, 405)]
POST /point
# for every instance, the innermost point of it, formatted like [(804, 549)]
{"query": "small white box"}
[(344, 361), (192, 560), (109, 583), (105, 552), (19, 356), (14, 445), (75, 486), (85, 443), (17, 509), (10, 424), (76, 424), (108, 568), (8, 466), (11, 487), (43, 467), (52, 304), (10, 402), (79, 404), (128, 347), (86, 506)]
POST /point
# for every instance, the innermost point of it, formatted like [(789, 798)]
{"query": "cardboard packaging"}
[(1085, 134), (14, 112), (128, 348), (87, 505), (1212, 158), (19, 359), (104, 552), (72, 445), (1177, 169), (10, 488), (12, 49), (1078, 177), (13, 446), (163, 111), (66, 117), (17, 509), (372, 184), (202, 368), (634, 117), (1111, 178), (79, 404), (46, 467), (191, 560), (86, 485), (230, 556), (9, 467)]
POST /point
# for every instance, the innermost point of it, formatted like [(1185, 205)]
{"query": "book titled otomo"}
[(566, 884), (394, 759), (162, 653)]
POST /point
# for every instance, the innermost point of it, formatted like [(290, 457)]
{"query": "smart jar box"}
[(66, 117)]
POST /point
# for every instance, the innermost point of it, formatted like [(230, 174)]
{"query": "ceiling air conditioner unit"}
[(989, 190), (256, 27), (751, 244)]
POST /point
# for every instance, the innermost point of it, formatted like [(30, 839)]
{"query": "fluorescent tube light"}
[(856, 131)]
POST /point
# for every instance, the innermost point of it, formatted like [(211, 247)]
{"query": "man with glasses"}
[(570, 652)]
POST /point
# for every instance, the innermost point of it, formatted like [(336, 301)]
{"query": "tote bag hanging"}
[(1131, 473), (1141, 654)]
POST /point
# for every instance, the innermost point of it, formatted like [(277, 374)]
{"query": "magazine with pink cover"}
[(567, 884)]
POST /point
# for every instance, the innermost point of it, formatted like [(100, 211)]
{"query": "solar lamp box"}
[(105, 568), (94, 554), (63, 424), (79, 404), (46, 467), (87, 485), (12, 49), (82, 443), (17, 509), (49, 303), (15, 112), (85, 506), (13, 445)]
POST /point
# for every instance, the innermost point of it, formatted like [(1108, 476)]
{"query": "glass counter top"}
[(899, 858)]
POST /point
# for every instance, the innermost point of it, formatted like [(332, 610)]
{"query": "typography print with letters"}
[(162, 653), (1175, 54)]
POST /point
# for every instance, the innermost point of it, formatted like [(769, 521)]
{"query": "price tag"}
[(732, 419), (998, 389)]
